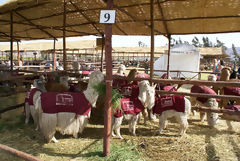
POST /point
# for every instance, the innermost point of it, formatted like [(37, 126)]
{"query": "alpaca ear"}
[(155, 86)]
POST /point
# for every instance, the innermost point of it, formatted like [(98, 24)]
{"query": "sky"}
[(132, 41)]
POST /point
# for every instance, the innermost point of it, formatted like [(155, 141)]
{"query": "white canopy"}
[(183, 57)]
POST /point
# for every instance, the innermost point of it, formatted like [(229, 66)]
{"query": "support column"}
[(18, 54), (169, 46), (64, 36), (11, 35), (102, 53), (54, 55), (108, 59), (152, 40)]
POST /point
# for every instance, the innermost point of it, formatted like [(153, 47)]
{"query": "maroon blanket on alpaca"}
[(233, 107), (171, 102), (117, 83), (130, 91), (54, 102), (203, 89), (232, 91), (131, 106), (29, 95)]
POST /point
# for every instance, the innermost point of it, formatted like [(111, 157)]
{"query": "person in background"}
[(238, 69), (146, 66), (220, 66)]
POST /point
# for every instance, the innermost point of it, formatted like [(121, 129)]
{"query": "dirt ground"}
[(200, 142)]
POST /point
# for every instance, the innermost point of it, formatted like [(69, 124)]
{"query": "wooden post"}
[(18, 54), (152, 41), (11, 35), (169, 45), (54, 55), (102, 53), (108, 59), (64, 36)]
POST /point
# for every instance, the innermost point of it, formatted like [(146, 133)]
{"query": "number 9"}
[(107, 17)]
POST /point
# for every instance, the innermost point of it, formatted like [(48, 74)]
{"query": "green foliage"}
[(119, 151), (101, 90)]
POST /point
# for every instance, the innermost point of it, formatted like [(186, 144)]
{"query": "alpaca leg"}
[(113, 126), (83, 124), (202, 116), (27, 113), (34, 116), (162, 123), (118, 122), (48, 124), (145, 116), (182, 120), (54, 139), (134, 123), (230, 128)]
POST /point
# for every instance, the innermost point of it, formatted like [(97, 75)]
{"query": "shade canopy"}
[(43, 19)]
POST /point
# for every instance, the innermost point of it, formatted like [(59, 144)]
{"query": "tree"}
[(206, 42), (236, 55), (195, 42)]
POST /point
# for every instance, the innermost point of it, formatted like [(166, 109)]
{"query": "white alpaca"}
[(31, 100), (212, 118), (121, 70), (69, 123), (129, 112), (163, 107)]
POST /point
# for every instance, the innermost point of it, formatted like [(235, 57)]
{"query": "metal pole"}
[(64, 36), (108, 59), (54, 54), (102, 53), (152, 40), (169, 45), (11, 35)]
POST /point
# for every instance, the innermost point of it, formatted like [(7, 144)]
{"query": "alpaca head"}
[(146, 94), (95, 78), (225, 74), (121, 69), (64, 80), (39, 84), (212, 77)]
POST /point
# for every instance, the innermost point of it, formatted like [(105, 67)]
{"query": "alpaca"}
[(212, 118), (31, 98), (117, 83), (62, 86), (229, 117), (67, 112), (131, 106), (170, 106)]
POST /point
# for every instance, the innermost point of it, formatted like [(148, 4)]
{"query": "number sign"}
[(107, 16)]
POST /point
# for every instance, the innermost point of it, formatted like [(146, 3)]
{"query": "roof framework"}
[(43, 19)]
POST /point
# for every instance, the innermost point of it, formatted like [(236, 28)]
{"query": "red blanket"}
[(141, 75), (202, 89), (129, 106), (171, 102), (233, 107), (29, 95), (130, 91), (117, 83), (232, 91), (54, 102)]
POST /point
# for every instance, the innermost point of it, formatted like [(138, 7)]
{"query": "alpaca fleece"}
[(171, 102), (55, 102)]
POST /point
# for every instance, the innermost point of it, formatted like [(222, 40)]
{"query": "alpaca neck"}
[(120, 72), (42, 88), (91, 96)]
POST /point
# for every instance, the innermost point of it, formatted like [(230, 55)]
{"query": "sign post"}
[(108, 17)]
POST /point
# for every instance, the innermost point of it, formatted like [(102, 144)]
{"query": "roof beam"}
[(38, 27), (86, 17)]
